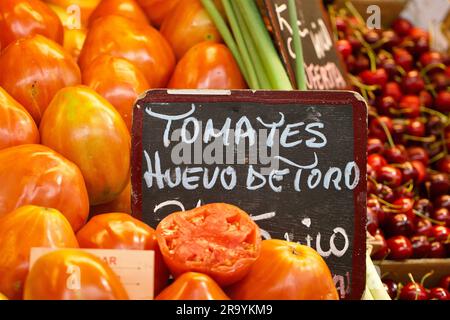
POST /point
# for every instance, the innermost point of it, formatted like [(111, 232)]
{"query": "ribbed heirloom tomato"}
[(140, 44), (23, 229), (118, 81), (157, 10), (21, 18), (193, 286), (120, 204), (218, 239), (125, 8), (122, 231), (16, 125), (35, 174), (207, 65), (92, 134), (286, 271), (69, 274), (42, 69), (83, 8), (188, 25)]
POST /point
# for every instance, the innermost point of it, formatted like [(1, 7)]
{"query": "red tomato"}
[(34, 174), (16, 125), (78, 9), (118, 81), (141, 44), (188, 25), (157, 10), (86, 129), (218, 239), (43, 68), (193, 286), (121, 204), (22, 18), (23, 229), (207, 65), (72, 275), (126, 8), (286, 271), (122, 231)]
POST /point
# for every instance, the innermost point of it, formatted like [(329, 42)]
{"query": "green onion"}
[(299, 61)]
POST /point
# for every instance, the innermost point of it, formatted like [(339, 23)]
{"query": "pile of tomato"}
[(70, 73)]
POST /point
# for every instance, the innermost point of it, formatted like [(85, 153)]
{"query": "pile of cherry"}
[(407, 87), (416, 291)]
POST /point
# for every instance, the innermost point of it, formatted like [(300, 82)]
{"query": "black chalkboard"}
[(323, 65), (313, 164)]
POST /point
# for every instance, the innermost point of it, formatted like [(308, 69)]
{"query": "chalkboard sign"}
[(295, 161), (323, 65)]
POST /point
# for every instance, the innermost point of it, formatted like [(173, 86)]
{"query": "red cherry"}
[(403, 191), (440, 233), (392, 89), (412, 82), (386, 193), (341, 25), (399, 225), (424, 206), (430, 58), (375, 205), (371, 36), (344, 47), (389, 176), (424, 227), (396, 154), (445, 282), (389, 66), (416, 128), (385, 104), (437, 250), (372, 221), (421, 246), (440, 81), (442, 101), (439, 294), (375, 145), (403, 59), (426, 99), (409, 172), (438, 184), (400, 248), (410, 106), (443, 215), (443, 165), (383, 250), (402, 27), (443, 201), (361, 63), (405, 205), (391, 288), (390, 39), (413, 291), (418, 154), (421, 171), (376, 128), (378, 77), (376, 161)]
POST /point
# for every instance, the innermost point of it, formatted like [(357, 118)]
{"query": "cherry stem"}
[(370, 52), (387, 133), (332, 14), (444, 142), (388, 204), (438, 157), (432, 66), (443, 117), (420, 139), (355, 12), (387, 53), (426, 276), (360, 85), (401, 70), (420, 214)]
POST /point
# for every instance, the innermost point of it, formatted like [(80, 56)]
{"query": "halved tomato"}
[(16, 124), (218, 239), (122, 231), (126, 8), (193, 286), (23, 229), (22, 18), (286, 271), (72, 275)]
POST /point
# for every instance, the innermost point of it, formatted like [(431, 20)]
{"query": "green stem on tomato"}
[(299, 60)]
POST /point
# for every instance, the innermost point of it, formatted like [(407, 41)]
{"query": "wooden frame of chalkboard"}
[(336, 99)]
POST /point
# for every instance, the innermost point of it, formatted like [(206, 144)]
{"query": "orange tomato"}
[(207, 65), (16, 125), (3, 297), (157, 10), (118, 81), (188, 25), (22, 18), (286, 271), (72, 275), (216, 239), (86, 129), (121, 204), (193, 286), (74, 41), (35, 174), (141, 44), (78, 9), (25, 228), (125, 8), (43, 68), (122, 231)]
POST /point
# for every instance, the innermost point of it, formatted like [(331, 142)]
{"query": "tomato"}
[(73, 41), (193, 286), (286, 271), (118, 81), (22, 18), (141, 44), (25, 228), (125, 8), (157, 10), (122, 231), (69, 274), (207, 65), (35, 174), (121, 204), (217, 239), (188, 25), (43, 68), (16, 125), (3, 297), (78, 9), (86, 129)]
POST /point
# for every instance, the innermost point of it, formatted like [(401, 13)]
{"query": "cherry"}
[(443, 215), (440, 233), (390, 66), (440, 81), (405, 205), (402, 27), (392, 89), (442, 101), (416, 32), (371, 37), (403, 191), (399, 225), (439, 294), (398, 132), (437, 250), (341, 24), (376, 128), (385, 104), (430, 58), (371, 172), (371, 187), (354, 42), (438, 184), (424, 227), (443, 165), (403, 59), (421, 171), (389, 175), (412, 82), (409, 172), (424, 206), (410, 106), (375, 145), (445, 282), (418, 154), (372, 221), (344, 47), (378, 77), (416, 128), (386, 193), (400, 248), (426, 99), (361, 63), (391, 288), (390, 39), (413, 291), (396, 154), (376, 161), (421, 246), (443, 201), (383, 250), (434, 125)]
